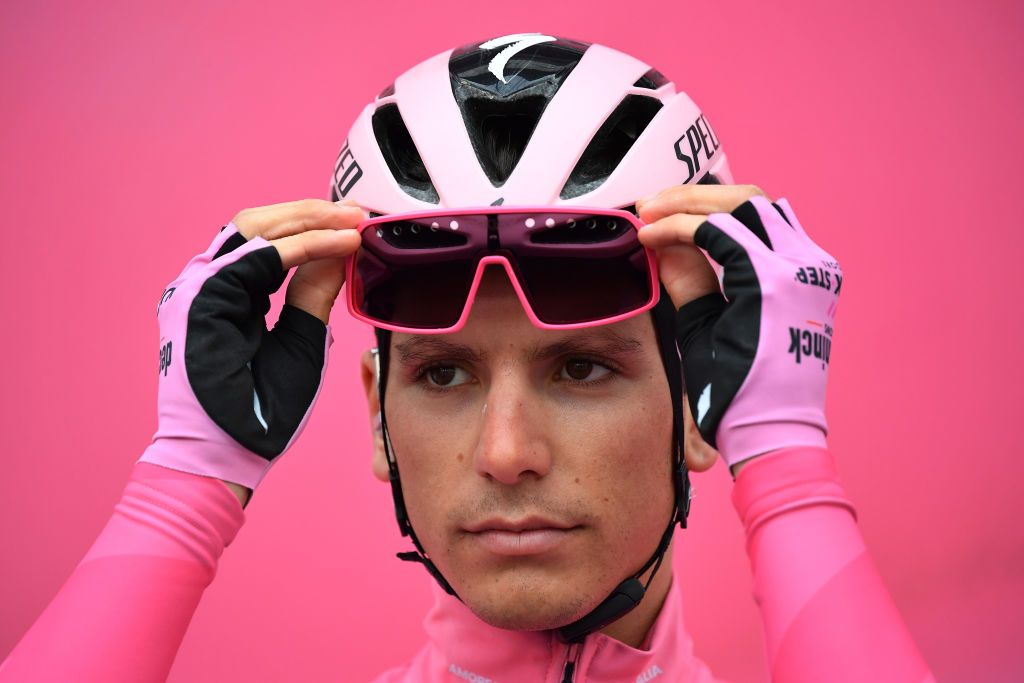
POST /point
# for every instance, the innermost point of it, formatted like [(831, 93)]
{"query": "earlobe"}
[(380, 463), (368, 373), (699, 455)]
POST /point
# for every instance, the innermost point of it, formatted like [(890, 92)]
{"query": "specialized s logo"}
[(164, 297), (346, 171), (516, 42)]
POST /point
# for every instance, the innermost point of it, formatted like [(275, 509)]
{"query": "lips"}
[(524, 524), (526, 536)]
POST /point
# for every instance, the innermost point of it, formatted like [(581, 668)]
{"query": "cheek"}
[(620, 456), (635, 465), (433, 449)]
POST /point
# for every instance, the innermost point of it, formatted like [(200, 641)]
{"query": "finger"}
[(696, 199), (677, 228), (731, 243), (304, 247), (227, 239), (289, 218), (315, 286), (686, 273)]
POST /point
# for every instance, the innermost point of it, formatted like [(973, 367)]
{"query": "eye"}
[(446, 376), (583, 370)]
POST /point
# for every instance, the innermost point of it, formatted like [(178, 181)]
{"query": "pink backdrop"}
[(131, 131)]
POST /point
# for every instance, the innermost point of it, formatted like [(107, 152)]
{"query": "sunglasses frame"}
[(498, 259)]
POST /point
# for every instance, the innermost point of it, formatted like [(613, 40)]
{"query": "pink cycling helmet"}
[(525, 119)]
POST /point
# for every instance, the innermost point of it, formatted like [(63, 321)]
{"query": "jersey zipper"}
[(572, 655)]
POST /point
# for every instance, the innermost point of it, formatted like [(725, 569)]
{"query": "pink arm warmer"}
[(827, 615), (123, 612)]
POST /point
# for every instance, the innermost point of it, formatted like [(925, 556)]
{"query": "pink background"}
[(131, 131)]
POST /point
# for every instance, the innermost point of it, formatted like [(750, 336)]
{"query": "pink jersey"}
[(827, 617)]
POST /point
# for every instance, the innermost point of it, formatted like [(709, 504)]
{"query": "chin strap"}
[(630, 592), (380, 359)]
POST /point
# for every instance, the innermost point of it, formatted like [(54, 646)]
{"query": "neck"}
[(632, 629)]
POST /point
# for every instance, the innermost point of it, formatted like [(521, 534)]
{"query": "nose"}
[(512, 447)]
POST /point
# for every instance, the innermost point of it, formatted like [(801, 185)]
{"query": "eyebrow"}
[(603, 341), (420, 348)]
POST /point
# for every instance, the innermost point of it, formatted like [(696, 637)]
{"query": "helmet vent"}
[(610, 144), (652, 80), (502, 91), (401, 155), (500, 131)]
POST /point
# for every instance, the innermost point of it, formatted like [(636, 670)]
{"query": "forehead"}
[(498, 324)]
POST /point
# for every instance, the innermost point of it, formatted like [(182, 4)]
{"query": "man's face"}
[(536, 464)]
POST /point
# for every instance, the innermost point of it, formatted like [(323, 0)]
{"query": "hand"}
[(676, 212), (761, 354), (684, 270), (234, 396)]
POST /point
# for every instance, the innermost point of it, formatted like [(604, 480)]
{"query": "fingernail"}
[(352, 204), (645, 200), (377, 422)]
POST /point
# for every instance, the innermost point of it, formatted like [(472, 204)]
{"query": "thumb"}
[(315, 285)]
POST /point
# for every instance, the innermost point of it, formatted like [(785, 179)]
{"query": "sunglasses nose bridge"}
[(503, 261)]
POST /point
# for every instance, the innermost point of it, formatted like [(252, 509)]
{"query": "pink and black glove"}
[(233, 396), (756, 362)]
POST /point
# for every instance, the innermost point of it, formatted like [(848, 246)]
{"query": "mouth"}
[(526, 536)]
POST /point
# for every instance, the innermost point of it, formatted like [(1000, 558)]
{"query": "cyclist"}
[(521, 220)]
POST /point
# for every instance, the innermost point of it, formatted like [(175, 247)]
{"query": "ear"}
[(699, 454), (368, 373)]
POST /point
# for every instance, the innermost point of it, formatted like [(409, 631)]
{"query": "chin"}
[(527, 615), (519, 604)]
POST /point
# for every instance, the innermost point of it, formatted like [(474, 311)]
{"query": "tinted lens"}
[(418, 273), (578, 268), (573, 267)]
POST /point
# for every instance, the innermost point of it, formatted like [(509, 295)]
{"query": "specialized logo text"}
[(346, 171), (698, 140)]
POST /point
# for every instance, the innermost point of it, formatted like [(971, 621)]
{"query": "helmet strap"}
[(381, 358)]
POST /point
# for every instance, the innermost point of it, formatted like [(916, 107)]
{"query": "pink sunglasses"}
[(572, 267)]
